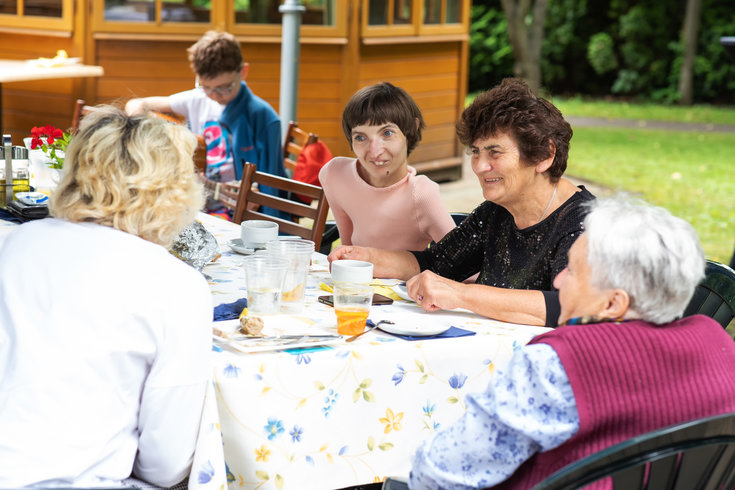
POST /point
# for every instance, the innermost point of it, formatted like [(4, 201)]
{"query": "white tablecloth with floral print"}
[(342, 414)]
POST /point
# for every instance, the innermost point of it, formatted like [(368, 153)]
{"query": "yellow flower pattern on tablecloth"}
[(262, 454), (392, 422)]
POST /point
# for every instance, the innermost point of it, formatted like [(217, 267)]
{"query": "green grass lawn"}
[(688, 173), (705, 114)]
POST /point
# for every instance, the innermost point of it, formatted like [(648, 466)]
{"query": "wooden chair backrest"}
[(250, 196), (225, 193), (296, 140), (200, 153)]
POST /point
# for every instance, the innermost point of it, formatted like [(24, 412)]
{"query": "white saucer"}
[(419, 329), (400, 290), (236, 245)]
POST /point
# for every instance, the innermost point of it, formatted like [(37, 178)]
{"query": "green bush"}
[(600, 53), (623, 47), (491, 57)]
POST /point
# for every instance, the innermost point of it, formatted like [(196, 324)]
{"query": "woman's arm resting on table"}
[(509, 305), (501, 421), (390, 264)]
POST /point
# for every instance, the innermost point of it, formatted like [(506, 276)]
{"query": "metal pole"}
[(290, 52)]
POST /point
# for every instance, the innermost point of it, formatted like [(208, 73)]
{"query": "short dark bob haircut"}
[(384, 103), (511, 108)]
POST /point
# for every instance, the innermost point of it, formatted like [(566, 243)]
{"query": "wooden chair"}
[(296, 140), (225, 193), (200, 153), (249, 197), (80, 109)]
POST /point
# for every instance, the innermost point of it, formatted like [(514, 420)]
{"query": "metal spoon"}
[(368, 329)]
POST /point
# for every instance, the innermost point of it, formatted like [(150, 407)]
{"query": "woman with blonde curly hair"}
[(104, 335)]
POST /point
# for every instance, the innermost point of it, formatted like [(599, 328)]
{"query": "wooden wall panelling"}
[(430, 73), (319, 108), (141, 69), (28, 104)]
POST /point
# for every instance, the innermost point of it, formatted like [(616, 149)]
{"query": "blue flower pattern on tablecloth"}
[(457, 381), (206, 472), (398, 376), (528, 408), (296, 433), (428, 414), (231, 371), (303, 359), (329, 401), (273, 428), (428, 409)]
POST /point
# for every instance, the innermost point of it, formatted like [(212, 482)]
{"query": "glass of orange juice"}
[(352, 305)]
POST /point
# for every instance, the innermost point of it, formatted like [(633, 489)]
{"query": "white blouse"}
[(104, 345)]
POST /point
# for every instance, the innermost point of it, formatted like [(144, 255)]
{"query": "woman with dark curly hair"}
[(518, 239)]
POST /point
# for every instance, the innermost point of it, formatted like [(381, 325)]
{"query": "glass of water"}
[(264, 275)]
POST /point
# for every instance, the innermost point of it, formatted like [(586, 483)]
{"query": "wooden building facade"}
[(420, 45)]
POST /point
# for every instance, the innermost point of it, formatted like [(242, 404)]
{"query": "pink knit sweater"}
[(404, 216)]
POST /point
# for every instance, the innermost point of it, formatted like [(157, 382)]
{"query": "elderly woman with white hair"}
[(622, 364), (104, 335)]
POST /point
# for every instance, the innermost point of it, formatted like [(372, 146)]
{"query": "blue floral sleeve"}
[(528, 407)]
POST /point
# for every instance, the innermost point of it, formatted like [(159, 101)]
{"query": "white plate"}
[(400, 290), (416, 328), (236, 245)]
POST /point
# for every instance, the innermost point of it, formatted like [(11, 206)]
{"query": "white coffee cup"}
[(354, 271), (256, 233)]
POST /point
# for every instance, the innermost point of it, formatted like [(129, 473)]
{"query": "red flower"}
[(50, 139)]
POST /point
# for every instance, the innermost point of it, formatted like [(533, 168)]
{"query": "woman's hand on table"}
[(433, 292), (349, 252), (390, 264)]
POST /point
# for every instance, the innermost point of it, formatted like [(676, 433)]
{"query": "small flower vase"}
[(43, 178)]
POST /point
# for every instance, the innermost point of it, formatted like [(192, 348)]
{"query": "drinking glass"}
[(352, 306), (264, 276)]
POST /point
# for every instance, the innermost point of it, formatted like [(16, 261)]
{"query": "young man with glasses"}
[(237, 125)]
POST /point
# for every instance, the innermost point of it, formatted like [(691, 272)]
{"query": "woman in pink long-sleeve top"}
[(376, 198)]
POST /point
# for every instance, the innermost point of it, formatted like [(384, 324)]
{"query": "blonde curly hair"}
[(135, 174)]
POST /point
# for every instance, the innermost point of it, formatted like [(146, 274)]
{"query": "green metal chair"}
[(715, 295), (699, 454), (693, 455)]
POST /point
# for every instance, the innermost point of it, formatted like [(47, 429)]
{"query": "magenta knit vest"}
[(635, 377)]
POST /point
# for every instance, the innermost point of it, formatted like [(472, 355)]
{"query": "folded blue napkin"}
[(448, 334), (229, 311)]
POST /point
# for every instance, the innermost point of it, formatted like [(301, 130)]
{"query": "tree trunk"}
[(689, 40), (526, 40)]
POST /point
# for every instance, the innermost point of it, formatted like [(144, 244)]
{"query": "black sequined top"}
[(489, 242)]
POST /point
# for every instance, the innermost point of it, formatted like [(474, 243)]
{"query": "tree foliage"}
[(627, 48)]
